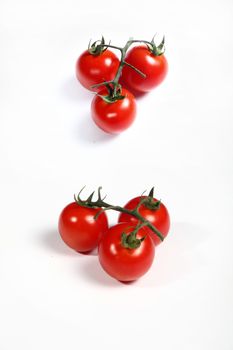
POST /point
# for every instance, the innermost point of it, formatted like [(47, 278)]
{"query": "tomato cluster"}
[(138, 70), (125, 250)]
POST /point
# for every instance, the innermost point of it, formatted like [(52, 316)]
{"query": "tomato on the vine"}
[(115, 116), (80, 229), (122, 263), (158, 217), (93, 69), (155, 68)]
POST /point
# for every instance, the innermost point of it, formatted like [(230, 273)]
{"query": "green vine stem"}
[(128, 241), (113, 86)]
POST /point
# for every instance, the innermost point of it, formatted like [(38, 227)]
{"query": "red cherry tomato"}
[(154, 67), (94, 69), (125, 264), (79, 229), (157, 217), (116, 116)]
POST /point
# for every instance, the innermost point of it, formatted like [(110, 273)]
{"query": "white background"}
[(181, 142)]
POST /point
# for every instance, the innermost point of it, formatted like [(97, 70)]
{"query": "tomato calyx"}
[(157, 50), (128, 240), (150, 202), (97, 48), (111, 99), (113, 95), (99, 203)]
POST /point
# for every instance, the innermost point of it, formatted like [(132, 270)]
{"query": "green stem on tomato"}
[(111, 46), (157, 50), (100, 203), (115, 81), (136, 69)]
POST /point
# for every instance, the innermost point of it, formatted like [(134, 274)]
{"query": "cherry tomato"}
[(116, 116), (79, 229), (94, 69), (157, 217), (154, 67), (125, 264)]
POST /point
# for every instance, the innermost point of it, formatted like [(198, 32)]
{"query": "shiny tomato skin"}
[(122, 263), (158, 217), (154, 67), (91, 70), (79, 229), (114, 117)]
